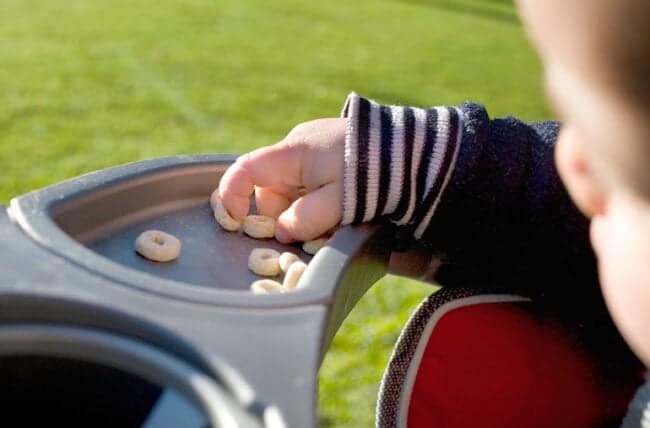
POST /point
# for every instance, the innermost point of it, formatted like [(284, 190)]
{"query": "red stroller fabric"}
[(467, 359)]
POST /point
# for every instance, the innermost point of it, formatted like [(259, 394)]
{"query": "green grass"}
[(90, 84)]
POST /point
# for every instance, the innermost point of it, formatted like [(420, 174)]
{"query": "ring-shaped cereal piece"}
[(286, 259), (293, 275), (214, 198), (264, 261), (224, 219), (259, 226), (266, 286), (158, 246), (311, 247)]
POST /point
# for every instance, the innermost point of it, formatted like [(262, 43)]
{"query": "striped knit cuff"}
[(398, 161)]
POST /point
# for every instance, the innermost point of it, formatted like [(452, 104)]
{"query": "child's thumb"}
[(311, 215)]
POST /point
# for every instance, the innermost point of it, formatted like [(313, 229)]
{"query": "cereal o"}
[(311, 247), (266, 286), (259, 226), (293, 275), (264, 261), (286, 259), (158, 246), (223, 217), (214, 198)]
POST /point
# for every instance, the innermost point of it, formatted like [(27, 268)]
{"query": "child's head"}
[(596, 56)]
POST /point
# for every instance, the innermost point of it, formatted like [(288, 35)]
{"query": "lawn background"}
[(86, 85)]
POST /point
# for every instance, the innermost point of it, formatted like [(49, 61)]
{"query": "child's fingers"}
[(311, 215), (269, 202), (291, 192), (277, 165)]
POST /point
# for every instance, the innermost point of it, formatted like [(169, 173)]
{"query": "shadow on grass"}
[(476, 8), (326, 422)]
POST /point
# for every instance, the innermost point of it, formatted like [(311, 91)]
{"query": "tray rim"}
[(33, 213)]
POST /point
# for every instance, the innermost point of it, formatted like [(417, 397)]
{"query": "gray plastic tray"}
[(210, 256), (199, 306), (93, 221)]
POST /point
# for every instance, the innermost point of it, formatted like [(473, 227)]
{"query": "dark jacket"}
[(485, 197)]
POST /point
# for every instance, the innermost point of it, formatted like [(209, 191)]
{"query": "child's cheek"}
[(624, 277)]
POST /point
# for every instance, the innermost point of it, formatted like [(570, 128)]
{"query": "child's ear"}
[(584, 186)]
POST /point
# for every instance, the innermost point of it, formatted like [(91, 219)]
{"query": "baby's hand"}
[(298, 180)]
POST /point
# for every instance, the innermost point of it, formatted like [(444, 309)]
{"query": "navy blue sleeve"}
[(505, 219), (484, 196), (506, 223)]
